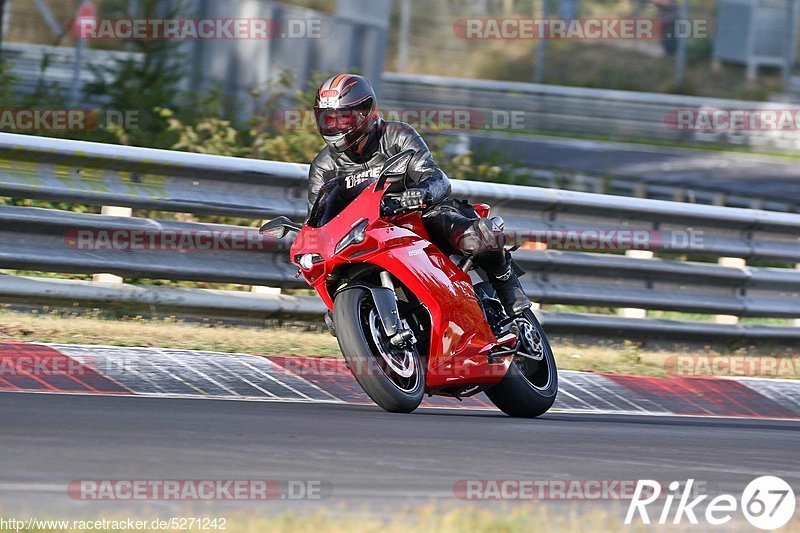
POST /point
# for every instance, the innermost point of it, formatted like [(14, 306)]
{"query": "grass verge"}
[(620, 358)]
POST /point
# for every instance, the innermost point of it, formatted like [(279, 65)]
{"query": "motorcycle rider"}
[(359, 142)]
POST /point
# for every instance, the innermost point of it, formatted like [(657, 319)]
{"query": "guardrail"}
[(682, 280), (576, 110), (35, 66)]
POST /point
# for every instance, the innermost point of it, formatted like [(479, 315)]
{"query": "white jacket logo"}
[(361, 177)]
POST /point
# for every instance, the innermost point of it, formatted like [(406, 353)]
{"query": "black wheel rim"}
[(534, 344), (387, 355)]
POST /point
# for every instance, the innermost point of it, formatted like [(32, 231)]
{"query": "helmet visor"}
[(332, 122)]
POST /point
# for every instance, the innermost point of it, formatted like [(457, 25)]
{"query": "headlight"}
[(356, 236), (308, 261)]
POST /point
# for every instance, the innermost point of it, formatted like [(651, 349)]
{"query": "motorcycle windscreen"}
[(334, 196)]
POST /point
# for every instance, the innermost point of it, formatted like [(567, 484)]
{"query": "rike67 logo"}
[(768, 503)]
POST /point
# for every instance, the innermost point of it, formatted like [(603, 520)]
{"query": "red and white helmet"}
[(346, 110)]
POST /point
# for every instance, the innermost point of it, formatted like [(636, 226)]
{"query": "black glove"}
[(409, 199)]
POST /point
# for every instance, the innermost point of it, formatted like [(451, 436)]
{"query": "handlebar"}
[(387, 211)]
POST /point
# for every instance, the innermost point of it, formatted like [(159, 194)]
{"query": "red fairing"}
[(460, 334), (483, 210)]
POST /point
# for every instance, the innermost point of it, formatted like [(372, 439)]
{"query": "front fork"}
[(385, 298), (386, 302)]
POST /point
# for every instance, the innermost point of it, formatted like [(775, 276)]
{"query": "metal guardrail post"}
[(632, 312), (112, 211), (731, 262)]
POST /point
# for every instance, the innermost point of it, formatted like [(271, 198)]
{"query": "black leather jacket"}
[(388, 139)]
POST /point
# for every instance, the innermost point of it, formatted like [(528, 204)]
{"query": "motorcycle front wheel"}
[(393, 377), (530, 386)]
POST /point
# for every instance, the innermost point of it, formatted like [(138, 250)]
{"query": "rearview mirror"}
[(279, 227), (397, 165)]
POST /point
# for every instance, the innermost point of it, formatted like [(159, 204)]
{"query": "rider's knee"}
[(481, 236)]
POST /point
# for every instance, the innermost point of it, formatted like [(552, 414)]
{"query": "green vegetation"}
[(144, 86)]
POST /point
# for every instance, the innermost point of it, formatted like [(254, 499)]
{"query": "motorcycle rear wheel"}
[(529, 388), (392, 377)]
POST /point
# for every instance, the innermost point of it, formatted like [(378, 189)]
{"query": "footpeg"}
[(507, 344)]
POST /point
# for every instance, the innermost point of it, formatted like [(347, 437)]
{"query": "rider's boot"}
[(509, 290), (486, 239)]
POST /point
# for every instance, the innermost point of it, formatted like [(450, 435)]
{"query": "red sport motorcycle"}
[(409, 319)]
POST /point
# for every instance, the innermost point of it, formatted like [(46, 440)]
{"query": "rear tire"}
[(529, 388), (391, 391)]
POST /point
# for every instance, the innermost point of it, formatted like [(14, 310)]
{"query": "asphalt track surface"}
[(370, 459), (755, 176)]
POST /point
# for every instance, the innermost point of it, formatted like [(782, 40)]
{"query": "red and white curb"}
[(154, 372)]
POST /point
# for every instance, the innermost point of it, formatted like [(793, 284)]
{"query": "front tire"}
[(394, 378), (529, 388)]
